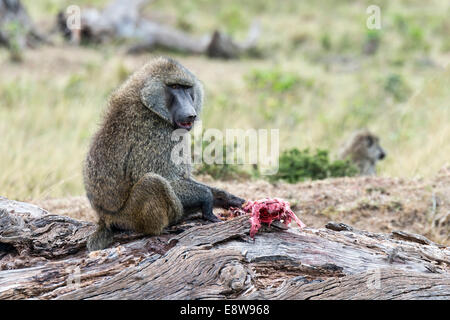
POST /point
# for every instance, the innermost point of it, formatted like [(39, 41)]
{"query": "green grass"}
[(313, 83)]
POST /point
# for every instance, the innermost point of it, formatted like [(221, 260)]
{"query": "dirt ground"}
[(374, 204)]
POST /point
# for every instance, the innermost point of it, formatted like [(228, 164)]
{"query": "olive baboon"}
[(129, 176), (363, 149)]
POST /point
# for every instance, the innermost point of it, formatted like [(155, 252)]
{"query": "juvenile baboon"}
[(364, 150), (130, 179)]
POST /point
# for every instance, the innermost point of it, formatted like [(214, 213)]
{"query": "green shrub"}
[(299, 165), (219, 171), (341, 168)]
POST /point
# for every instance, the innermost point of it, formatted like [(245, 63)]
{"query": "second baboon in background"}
[(363, 150), (130, 178)]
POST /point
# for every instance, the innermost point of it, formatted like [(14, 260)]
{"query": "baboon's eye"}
[(369, 141), (174, 86)]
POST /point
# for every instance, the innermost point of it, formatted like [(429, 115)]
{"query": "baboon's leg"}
[(151, 206), (195, 196), (101, 238)]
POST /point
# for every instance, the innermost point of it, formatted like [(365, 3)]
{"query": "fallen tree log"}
[(44, 256), (122, 20)]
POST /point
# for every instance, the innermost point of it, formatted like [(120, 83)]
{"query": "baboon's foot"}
[(100, 239)]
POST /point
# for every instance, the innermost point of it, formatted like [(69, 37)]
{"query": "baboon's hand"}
[(211, 217), (226, 200), (236, 201)]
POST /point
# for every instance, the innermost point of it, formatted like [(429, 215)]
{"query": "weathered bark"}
[(121, 19), (44, 256)]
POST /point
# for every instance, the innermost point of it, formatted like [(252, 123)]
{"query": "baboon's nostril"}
[(382, 156), (192, 117)]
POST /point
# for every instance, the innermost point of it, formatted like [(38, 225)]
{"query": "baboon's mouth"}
[(185, 125)]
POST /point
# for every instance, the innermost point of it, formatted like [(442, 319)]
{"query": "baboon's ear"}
[(153, 96)]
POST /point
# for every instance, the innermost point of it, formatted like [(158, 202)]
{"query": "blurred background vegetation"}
[(320, 75)]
